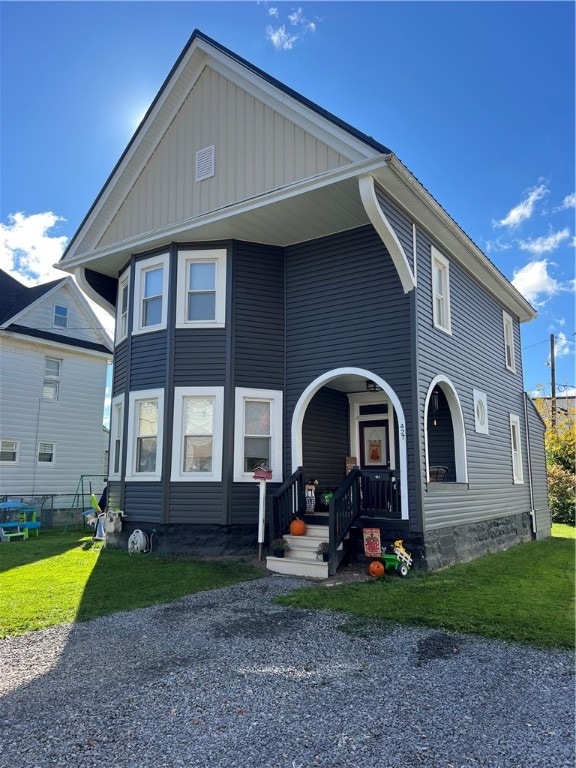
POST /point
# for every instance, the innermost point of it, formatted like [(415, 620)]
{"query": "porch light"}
[(371, 386)]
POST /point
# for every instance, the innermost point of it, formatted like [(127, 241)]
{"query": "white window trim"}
[(185, 257), (508, 325), (480, 404), (116, 429), (274, 396), (124, 281), (142, 267), (54, 324), (46, 463), (517, 461), (178, 474), (16, 451), (57, 379), (130, 447), (442, 261)]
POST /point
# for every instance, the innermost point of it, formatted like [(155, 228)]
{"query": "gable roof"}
[(122, 221), (17, 297)]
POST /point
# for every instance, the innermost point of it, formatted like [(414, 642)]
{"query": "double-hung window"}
[(441, 291), (116, 431), (517, 471), (46, 453), (197, 434), (8, 451), (151, 294), (509, 342), (60, 319), (122, 305), (51, 386), (145, 429), (258, 433), (201, 289)]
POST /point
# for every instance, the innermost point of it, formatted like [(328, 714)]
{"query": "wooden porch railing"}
[(287, 502), (344, 508), (381, 493)]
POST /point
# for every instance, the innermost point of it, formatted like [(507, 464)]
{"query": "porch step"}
[(300, 559)]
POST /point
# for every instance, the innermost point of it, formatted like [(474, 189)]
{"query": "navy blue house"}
[(288, 294)]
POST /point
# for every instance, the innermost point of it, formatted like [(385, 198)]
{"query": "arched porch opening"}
[(445, 434)]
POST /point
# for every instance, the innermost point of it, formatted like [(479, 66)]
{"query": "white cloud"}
[(283, 40), (524, 209), (535, 282), (561, 345), (28, 250), (497, 245), (274, 12), (296, 17), (280, 39), (546, 243), (568, 202)]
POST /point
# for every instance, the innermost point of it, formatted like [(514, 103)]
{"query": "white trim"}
[(180, 394), (275, 398), (480, 412), (186, 257), (318, 383), (65, 317), (116, 430), (460, 455), (135, 397), (517, 458), (437, 259), (386, 232), (415, 251), (53, 453), (356, 399), (16, 451), (508, 327), (124, 281), (143, 266)]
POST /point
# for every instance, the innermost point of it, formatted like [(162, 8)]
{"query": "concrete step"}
[(297, 566)]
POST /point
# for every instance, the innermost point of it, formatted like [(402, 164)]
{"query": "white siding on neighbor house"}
[(39, 316), (256, 150), (73, 424)]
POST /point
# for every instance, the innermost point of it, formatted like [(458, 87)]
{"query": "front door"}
[(374, 444)]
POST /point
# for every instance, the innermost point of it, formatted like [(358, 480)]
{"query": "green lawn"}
[(60, 577), (524, 595), (561, 531)]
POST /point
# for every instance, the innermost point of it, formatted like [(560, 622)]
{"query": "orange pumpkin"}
[(376, 568), (297, 527)]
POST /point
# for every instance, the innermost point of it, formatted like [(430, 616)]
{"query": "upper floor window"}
[(60, 319), (145, 430), (122, 308), (201, 288), (509, 342), (9, 451), (151, 294), (258, 432), (51, 387), (440, 291), (198, 428), (517, 471), (45, 453)]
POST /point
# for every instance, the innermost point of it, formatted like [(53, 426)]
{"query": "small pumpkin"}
[(376, 568), (297, 527)]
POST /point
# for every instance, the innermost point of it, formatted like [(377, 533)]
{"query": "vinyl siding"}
[(325, 437), (198, 503), (143, 502), (200, 357), (536, 429), (473, 356), (149, 360)]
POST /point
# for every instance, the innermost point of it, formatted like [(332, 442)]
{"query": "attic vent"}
[(205, 163)]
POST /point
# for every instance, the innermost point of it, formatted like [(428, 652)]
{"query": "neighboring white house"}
[(53, 361)]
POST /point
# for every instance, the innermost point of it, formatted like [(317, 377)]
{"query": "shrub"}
[(561, 494)]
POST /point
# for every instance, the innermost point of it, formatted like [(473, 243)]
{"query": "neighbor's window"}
[(440, 291), (51, 387), (9, 451), (122, 304), (60, 319), (258, 433), (45, 453), (517, 470), (198, 427), (201, 288), (116, 432), (509, 342), (151, 294), (144, 449)]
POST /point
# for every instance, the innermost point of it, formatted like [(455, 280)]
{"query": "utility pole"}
[(553, 377)]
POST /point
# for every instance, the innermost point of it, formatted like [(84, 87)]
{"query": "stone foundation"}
[(460, 544)]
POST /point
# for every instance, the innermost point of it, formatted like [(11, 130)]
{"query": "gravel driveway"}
[(228, 678)]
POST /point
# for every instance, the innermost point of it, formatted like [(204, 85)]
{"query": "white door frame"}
[(318, 383)]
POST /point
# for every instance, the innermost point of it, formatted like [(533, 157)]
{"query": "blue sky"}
[(476, 98)]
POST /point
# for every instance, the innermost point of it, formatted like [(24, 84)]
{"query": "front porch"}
[(364, 499)]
